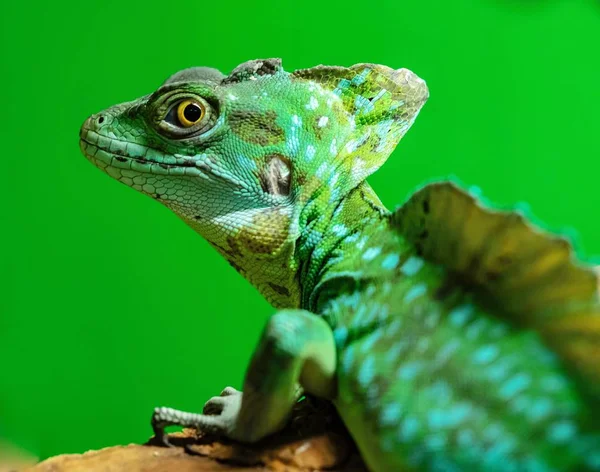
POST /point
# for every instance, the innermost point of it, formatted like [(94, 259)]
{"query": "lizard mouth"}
[(106, 152)]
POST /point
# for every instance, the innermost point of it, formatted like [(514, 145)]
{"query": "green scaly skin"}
[(426, 372)]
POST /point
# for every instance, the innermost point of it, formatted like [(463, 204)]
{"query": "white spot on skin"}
[(321, 170), (310, 152), (333, 148), (339, 230), (412, 266), (351, 146), (390, 261), (333, 182), (297, 120), (361, 243), (322, 121), (359, 168), (371, 253), (312, 104), (352, 238), (232, 97)]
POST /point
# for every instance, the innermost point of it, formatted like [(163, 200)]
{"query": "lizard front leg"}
[(296, 349)]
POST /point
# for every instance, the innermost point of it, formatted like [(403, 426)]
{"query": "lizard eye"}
[(190, 112), (186, 118)]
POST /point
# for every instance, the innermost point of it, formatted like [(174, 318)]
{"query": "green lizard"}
[(448, 336)]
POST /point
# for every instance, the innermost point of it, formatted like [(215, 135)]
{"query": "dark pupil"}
[(192, 113)]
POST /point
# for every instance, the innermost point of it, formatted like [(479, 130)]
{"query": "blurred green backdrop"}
[(109, 305)]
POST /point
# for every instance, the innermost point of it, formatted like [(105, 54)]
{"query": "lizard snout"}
[(93, 123)]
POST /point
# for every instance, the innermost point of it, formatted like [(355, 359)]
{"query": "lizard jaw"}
[(105, 152)]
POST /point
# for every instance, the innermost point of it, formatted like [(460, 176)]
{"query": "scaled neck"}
[(327, 228)]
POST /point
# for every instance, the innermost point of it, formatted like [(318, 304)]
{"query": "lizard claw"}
[(160, 420)]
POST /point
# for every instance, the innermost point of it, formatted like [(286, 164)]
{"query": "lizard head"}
[(238, 157)]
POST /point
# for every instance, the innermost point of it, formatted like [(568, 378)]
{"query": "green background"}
[(111, 306)]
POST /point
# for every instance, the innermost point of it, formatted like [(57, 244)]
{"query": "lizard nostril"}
[(100, 119)]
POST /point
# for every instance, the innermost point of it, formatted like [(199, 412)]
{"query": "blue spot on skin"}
[(486, 354), (499, 370), (435, 442), (514, 385), (391, 414), (540, 409), (412, 266), (360, 78), (415, 292), (436, 419), (394, 327), (460, 315), (450, 418), (344, 83), (492, 432), (410, 370), (370, 341), (361, 104), (440, 390), (390, 262), (593, 460), (348, 358), (409, 428), (393, 354), (465, 438), (476, 328), (366, 373), (499, 452), (446, 351), (340, 335), (459, 413), (359, 316), (442, 464), (553, 383), (562, 432), (521, 404), (533, 464)]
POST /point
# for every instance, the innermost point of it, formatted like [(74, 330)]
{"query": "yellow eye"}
[(190, 112)]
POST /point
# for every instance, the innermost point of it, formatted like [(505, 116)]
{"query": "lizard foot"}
[(226, 399), (219, 417)]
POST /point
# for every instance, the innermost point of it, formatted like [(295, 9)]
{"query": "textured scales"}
[(449, 336)]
